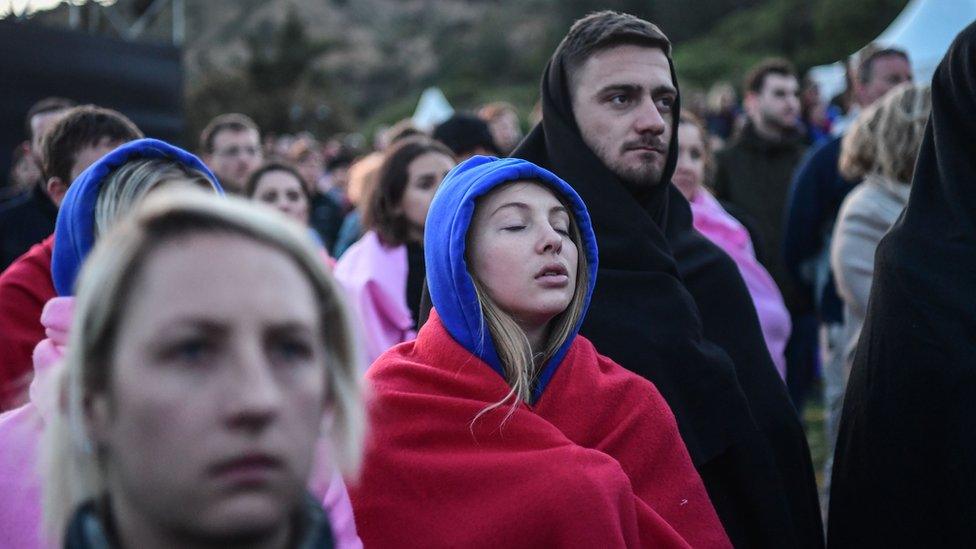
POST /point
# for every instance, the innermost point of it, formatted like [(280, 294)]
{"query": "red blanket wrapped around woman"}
[(568, 471)]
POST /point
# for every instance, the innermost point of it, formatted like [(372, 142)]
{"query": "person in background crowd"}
[(904, 466), (383, 272), (879, 148), (362, 179), (337, 179), (503, 123), (231, 145), (325, 213), (670, 305), (753, 174), (466, 135), (306, 155), (106, 191), (79, 137), (498, 386), (813, 113), (722, 112), (401, 130), (29, 218), (694, 167), (161, 444), (280, 186), (816, 193), (25, 174)]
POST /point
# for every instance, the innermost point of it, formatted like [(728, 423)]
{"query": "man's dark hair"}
[(463, 133), (343, 159), (276, 165), (382, 212), (80, 127), (871, 53), (756, 77), (48, 104), (234, 122), (607, 29)]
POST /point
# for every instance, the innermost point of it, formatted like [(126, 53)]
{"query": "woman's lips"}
[(253, 468), (553, 275)]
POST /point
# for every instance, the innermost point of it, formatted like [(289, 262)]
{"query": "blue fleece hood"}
[(450, 285), (74, 232)]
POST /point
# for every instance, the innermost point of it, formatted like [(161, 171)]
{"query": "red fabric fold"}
[(596, 462)]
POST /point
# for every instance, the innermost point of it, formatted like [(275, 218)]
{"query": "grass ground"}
[(813, 424)]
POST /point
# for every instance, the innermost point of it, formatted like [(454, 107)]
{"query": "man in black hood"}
[(668, 304)]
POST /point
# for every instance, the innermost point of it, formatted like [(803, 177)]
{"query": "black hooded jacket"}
[(905, 464), (672, 307)]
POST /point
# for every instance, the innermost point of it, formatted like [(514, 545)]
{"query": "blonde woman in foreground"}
[(208, 356)]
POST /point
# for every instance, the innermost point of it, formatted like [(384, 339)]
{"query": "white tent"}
[(432, 109), (924, 29)]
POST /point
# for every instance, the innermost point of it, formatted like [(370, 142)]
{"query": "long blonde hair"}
[(514, 350), (73, 469), (885, 137)]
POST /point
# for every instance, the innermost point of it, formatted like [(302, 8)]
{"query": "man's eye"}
[(619, 99)]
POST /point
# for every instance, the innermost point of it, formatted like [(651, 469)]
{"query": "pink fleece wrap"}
[(711, 220)]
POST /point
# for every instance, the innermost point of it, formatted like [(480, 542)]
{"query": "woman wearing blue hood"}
[(509, 427)]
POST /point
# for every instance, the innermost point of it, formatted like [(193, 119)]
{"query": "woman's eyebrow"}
[(519, 205)]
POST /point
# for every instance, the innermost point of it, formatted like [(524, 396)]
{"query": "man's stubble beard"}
[(637, 179)]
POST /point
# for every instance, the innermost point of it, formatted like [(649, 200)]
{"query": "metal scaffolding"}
[(91, 13)]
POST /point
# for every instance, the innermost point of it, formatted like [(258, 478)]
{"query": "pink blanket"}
[(727, 233), (375, 279)]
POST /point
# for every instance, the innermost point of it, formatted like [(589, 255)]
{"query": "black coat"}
[(905, 464), (672, 307), (754, 174), (25, 221)]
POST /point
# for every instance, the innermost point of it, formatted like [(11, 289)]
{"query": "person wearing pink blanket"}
[(383, 272), (716, 224)]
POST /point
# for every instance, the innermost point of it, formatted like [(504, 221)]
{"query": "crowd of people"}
[(597, 334)]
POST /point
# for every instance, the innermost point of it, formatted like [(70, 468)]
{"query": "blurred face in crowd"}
[(40, 124), (776, 108), (887, 71), (283, 191), (622, 100), (311, 167), (84, 157), (25, 173), (689, 173), (339, 178), (505, 130), (424, 175), (216, 396), (235, 155), (522, 251)]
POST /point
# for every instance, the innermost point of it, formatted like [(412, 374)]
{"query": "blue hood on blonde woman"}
[(74, 233), (449, 283)]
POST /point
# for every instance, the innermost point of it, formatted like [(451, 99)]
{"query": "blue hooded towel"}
[(450, 285)]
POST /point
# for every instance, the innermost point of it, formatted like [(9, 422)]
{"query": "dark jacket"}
[(325, 215), (90, 529), (905, 465), (815, 197), (25, 221), (754, 174), (672, 307)]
